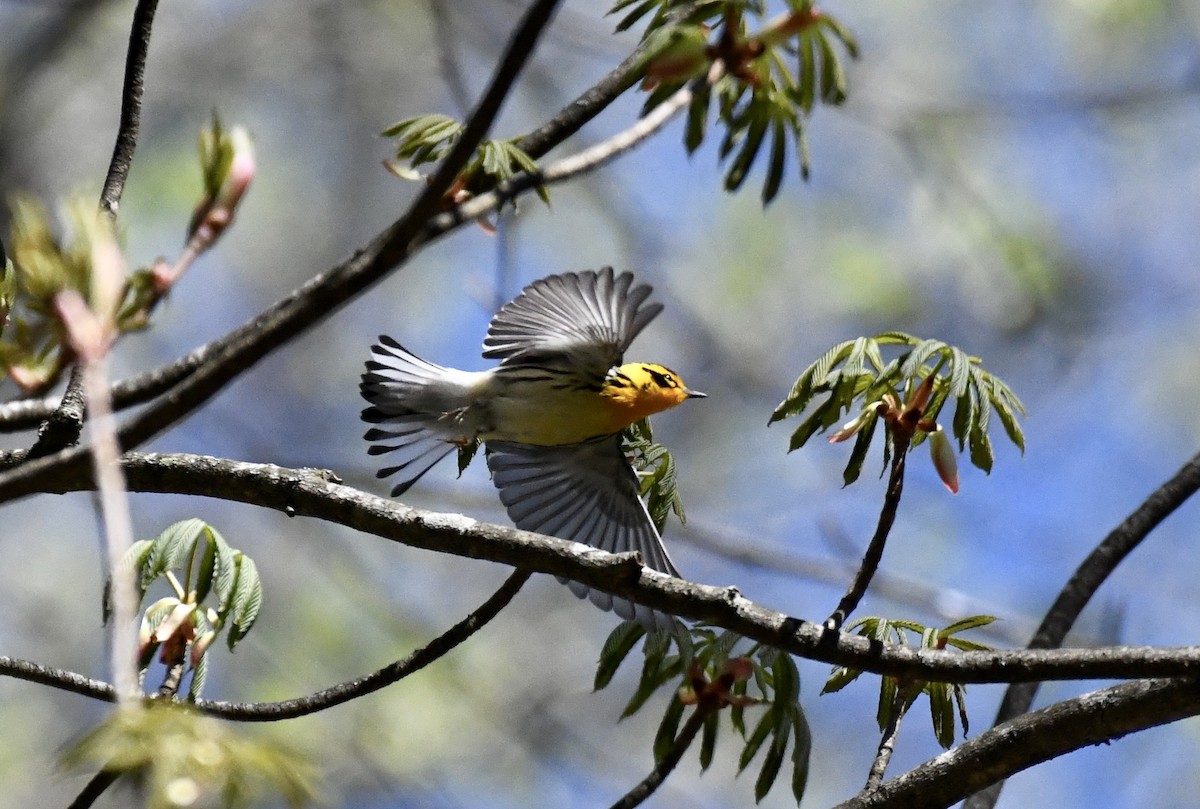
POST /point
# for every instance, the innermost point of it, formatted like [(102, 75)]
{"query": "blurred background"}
[(1020, 179)]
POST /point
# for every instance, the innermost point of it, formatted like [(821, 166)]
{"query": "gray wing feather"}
[(592, 317), (587, 493)]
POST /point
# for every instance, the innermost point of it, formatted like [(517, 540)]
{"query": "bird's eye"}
[(661, 379)]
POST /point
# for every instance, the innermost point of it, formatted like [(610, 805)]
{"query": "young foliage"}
[(45, 263), (719, 673), (182, 758), (656, 468), (896, 696), (773, 72), (427, 138), (200, 567), (907, 393)]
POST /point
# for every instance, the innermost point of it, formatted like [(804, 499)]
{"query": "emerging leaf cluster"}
[(897, 696), (719, 673), (427, 138), (772, 78), (33, 341), (655, 468), (853, 374), (200, 567), (185, 759)]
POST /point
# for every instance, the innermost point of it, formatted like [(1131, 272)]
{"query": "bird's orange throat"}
[(635, 390)]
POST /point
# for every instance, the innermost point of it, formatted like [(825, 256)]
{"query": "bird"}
[(550, 416)]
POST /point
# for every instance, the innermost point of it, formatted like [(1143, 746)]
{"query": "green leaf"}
[(960, 372), (774, 758), (814, 376), (655, 671), (134, 559), (708, 742), (960, 699), (918, 357), (858, 456), (632, 17), (785, 677), (697, 123), (199, 676), (209, 559), (171, 548), (833, 77), (744, 161), (778, 163), (942, 711), (247, 600), (737, 713), (616, 648), (974, 622), (801, 753), (841, 677), (226, 574), (757, 737), (668, 728), (806, 89), (884, 712)]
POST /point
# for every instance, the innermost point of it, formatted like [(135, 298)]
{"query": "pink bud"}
[(945, 460)]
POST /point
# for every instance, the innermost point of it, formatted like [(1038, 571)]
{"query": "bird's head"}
[(641, 389)]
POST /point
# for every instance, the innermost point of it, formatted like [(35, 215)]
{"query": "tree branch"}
[(1094, 718), (874, 554), (228, 357), (63, 424), (221, 360), (344, 692), (1084, 583), (311, 493), (288, 709), (131, 107), (654, 779)]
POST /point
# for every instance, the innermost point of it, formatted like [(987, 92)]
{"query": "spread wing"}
[(587, 493), (589, 317)]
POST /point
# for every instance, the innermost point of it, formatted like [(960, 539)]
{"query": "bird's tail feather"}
[(393, 377)]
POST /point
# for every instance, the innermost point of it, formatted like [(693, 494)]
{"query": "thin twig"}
[(224, 359), (874, 554), (646, 787), (310, 493), (141, 388), (118, 526), (131, 107), (301, 706), (344, 692), (582, 162), (63, 426), (903, 700), (94, 788), (1083, 584), (1094, 718)]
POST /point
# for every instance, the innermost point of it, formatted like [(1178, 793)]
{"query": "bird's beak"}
[(695, 394)]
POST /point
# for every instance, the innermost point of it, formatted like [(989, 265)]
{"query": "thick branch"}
[(310, 493), (1094, 718), (1078, 591)]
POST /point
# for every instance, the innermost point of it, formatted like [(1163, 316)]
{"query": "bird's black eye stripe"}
[(663, 380)]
